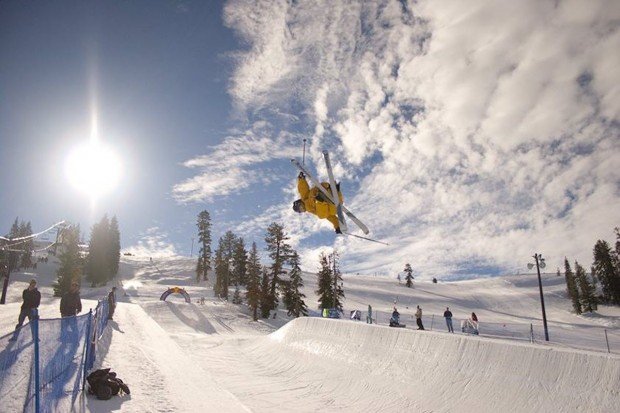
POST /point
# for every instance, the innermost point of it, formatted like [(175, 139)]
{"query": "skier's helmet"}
[(298, 206)]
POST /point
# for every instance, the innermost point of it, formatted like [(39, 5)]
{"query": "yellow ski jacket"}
[(321, 207)]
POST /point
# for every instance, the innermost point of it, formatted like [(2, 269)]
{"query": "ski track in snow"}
[(180, 357)]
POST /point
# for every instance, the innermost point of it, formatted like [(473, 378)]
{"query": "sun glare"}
[(93, 169)]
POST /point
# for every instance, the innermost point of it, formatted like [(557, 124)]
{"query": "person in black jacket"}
[(448, 316), (111, 303), (70, 306), (32, 299), (70, 303), (395, 320)]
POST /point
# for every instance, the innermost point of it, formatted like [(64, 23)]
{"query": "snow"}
[(180, 357)]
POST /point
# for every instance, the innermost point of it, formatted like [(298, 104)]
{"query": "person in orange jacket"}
[(314, 201)]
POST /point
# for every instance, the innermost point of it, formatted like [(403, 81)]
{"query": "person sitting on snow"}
[(395, 317), (314, 201)]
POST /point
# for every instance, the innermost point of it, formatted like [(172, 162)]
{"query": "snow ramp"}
[(387, 369)]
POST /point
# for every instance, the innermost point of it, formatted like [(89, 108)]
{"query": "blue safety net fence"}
[(16, 370), (61, 352), (99, 323), (48, 373)]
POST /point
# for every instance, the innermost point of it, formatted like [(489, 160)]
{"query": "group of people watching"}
[(70, 305), (471, 324), (395, 320)]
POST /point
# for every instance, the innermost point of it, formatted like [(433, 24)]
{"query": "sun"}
[(93, 168)]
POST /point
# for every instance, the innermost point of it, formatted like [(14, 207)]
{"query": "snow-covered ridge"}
[(443, 372)]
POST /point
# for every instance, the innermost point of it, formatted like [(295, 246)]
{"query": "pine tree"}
[(294, 298), (267, 300), (221, 270), (239, 262), (279, 252), (616, 258), (287, 295), (237, 296), (10, 260), (114, 247), (199, 270), (204, 240), (571, 286), (71, 263), (27, 246), (337, 280), (13, 255), (253, 293), (325, 289), (607, 272), (587, 297), (408, 275), (98, 270), (223, 263), (594, 283)]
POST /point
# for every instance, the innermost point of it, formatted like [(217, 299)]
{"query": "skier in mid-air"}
[(325, 201), (314, 201)]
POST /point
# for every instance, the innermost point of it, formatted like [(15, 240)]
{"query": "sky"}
[(468, 136)]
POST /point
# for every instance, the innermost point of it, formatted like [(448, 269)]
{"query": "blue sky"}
[(468, 136)]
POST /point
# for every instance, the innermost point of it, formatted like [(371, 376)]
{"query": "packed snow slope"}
[(377, 368), (192, 357)]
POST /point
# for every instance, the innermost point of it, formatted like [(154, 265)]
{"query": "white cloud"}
[(479, 132), (153, 243), (226, 169)]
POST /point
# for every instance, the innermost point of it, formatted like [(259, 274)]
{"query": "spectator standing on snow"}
[(448, 316), (111, 303), (71, 303), (32, 299), (418, 318), (70, 306)]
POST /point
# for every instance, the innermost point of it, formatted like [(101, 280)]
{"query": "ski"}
[(365, 238), (316, 183), (334, 189)]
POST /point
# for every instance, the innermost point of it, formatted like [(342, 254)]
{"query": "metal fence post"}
[(88, 345), (607, 341), (35, 340), (432, 320), (531, 333)]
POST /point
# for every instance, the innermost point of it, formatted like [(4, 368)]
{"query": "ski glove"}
[(302, 175)]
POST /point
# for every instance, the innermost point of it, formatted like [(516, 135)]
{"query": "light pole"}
[(335, 281), (540, 263)]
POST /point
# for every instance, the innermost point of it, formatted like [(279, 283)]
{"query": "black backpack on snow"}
[(104, 384)]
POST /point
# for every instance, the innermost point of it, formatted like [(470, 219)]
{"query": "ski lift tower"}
[(59, 235)]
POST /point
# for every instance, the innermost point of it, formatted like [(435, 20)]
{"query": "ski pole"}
[(303, 159)]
